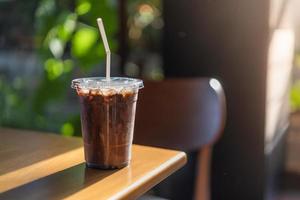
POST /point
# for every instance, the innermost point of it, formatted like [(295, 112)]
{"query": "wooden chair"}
[(183, 114)]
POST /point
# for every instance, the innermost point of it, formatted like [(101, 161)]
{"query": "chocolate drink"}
[(107, 126)]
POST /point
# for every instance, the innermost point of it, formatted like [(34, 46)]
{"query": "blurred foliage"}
[(68, 42), (68, 45), (295, 96), (16, 111), (295, 89)]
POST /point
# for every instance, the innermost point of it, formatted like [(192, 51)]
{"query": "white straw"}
[(107, 50)]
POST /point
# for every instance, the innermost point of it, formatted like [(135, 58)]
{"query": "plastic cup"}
[(107, 119)]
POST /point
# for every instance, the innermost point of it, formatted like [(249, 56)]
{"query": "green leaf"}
[(83, 7), (45, 8), (295, 96), (83, 40), (67, 129), (68, 66), (66, 29), (54, 68), (56, 47)]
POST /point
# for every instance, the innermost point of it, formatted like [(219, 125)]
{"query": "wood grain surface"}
[(48, 166), (26, 156)]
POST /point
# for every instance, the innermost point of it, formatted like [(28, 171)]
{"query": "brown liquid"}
[(107, 128)]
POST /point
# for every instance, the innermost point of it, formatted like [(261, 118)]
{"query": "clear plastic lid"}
[(115, 83)]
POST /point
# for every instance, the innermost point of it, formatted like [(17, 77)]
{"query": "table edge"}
[(146, 183)]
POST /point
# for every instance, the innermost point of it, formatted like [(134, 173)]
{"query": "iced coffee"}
[(107, 119)]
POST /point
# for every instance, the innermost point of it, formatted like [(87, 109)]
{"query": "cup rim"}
[(102, 82)]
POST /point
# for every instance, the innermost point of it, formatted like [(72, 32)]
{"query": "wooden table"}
[(48, 166)]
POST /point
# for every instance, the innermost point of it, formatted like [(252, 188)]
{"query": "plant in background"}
[(295, 89), (68, 43), (295, 96)]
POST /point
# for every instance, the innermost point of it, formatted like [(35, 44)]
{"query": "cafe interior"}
[(217, 115)]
